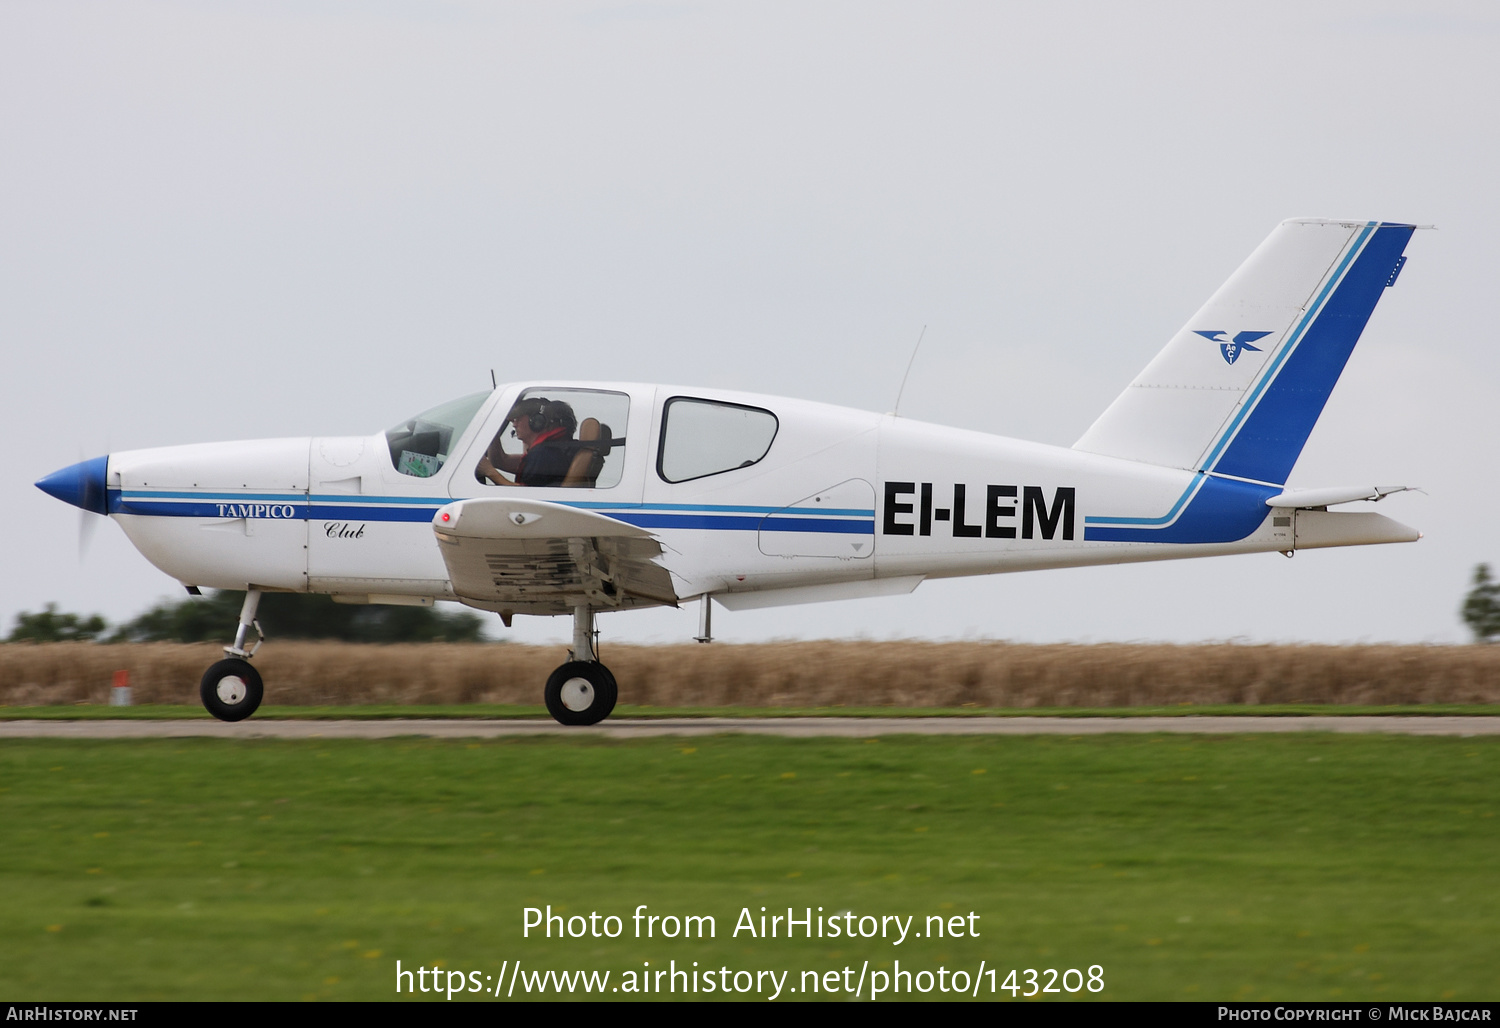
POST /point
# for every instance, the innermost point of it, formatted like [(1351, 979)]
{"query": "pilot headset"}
[(536, 419), (534, 411), (543, 413)]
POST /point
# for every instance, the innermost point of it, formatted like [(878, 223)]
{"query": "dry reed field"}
[(794, 674)]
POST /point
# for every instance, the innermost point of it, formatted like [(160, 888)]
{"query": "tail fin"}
[(1238, 390)]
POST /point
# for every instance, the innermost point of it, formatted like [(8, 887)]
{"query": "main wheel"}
[(231, 690), (581, 692)]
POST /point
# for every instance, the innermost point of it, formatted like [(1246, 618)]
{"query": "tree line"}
[(213, 617)]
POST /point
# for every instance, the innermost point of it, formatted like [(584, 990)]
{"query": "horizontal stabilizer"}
[(1238, 390), (1319, 528)]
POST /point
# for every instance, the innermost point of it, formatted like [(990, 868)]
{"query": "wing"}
[(533, 557)]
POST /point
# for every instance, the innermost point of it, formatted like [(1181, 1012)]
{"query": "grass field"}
[(1236, 867)]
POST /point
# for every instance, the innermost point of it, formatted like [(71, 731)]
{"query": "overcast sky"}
[(241, 220)]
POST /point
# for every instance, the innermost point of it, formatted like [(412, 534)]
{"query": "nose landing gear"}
[(231, 690), (582, 691)]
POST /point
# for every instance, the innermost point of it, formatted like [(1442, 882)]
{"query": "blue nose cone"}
[(84, 484)]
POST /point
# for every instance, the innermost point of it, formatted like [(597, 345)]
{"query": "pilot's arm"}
[(496, 461), (489, 473)]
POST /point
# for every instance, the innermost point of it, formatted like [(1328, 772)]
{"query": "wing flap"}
[(534, 557)]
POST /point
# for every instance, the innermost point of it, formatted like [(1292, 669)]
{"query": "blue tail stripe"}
[(1264, 440), (1163, 520), (1271, 439), (1269, 373), (1223, 511)]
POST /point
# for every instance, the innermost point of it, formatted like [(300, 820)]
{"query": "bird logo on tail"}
[(1232, 348)]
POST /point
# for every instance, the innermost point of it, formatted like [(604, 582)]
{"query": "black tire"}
[(581, 692), (231, 690)]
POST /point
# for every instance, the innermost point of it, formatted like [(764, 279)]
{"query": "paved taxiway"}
[(795, 727)]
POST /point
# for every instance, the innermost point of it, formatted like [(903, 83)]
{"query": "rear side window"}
[(706, 437)]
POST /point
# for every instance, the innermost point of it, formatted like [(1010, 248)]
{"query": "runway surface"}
[(793, 727)]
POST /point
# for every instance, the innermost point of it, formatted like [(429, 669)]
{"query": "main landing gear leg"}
[(232, 689), (582, 691)]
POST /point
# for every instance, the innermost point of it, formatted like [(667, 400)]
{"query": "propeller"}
[(85, 486), (88, 524), (94, 499)]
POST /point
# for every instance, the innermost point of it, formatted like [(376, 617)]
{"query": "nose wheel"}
[(231, 689), (581, 692)]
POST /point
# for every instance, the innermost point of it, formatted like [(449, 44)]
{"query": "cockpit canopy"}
[(699, 437), (593, 431), (420, 445)]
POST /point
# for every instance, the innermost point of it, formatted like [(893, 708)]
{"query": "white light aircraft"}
[(559, 497)]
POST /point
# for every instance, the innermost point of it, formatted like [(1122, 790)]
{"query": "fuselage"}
[(756, 500)]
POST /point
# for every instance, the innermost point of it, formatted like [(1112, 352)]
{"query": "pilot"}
[(545, 428)]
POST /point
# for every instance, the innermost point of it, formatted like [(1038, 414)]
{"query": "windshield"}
[(420, 445)]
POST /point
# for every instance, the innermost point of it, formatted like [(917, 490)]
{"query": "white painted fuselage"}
[(758, 500), (845, 503)]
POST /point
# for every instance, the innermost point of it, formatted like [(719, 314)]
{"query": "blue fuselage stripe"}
[(334, 512), (706, 508), (294, 507), (646, 519)]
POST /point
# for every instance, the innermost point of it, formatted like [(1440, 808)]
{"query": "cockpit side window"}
[(420, 445), (563, 438), (708, 437)]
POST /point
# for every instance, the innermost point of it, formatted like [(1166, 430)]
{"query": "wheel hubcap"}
[(231, 689), (577, 694)]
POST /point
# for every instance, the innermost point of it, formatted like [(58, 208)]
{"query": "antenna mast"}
[(896, 413)]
